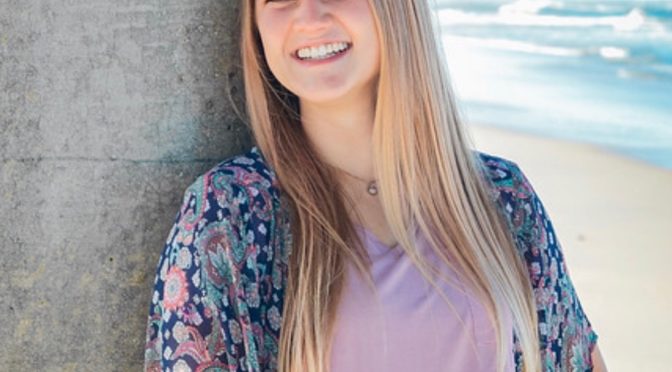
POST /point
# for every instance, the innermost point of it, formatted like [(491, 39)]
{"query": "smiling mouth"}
[(322, 52)]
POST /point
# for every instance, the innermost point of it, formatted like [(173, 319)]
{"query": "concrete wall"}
[(108, 110)]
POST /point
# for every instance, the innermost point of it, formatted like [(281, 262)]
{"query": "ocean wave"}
[(606, 51), (523, 13), (613, 53), (526, 6), (514, 46)]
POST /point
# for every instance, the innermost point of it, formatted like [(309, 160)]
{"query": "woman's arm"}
[(598, 361), (564, 327), (189, 314), (199, 315)]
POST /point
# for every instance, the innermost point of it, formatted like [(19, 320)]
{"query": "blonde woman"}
[(361, 232)]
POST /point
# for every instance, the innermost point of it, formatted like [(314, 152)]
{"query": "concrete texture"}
[(108, 110)]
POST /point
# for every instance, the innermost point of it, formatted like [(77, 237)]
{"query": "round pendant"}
[(372, 189)]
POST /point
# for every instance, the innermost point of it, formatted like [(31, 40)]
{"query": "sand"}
[(613, 218)]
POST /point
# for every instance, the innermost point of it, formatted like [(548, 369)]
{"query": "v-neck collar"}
[(382, 247)]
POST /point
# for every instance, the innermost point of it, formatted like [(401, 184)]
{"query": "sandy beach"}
[(613, 218)]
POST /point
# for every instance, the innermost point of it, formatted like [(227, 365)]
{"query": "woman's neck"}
[(341, 134)]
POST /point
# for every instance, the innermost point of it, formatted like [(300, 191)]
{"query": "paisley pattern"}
[(218, 291), (566, 335)]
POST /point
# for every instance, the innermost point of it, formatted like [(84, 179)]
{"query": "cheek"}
[(270, 32), (272, 57), (362, 16)]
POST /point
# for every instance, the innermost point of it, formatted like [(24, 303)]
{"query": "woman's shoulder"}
[(508, 183), (513, 193), (248, 169), (514, 196), (239, 190), (230, 217)]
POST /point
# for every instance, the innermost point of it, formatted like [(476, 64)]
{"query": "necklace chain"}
[(372, 186)]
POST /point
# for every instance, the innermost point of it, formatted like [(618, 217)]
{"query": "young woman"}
[(361, 232)]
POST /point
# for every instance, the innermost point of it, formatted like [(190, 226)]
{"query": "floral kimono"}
[(218, 292)]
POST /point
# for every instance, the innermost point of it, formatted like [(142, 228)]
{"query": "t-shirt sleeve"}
[(196, 310), (567, 337)]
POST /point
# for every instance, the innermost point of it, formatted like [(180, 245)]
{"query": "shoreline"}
[(612, 215)]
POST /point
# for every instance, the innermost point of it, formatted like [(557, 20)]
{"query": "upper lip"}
[(318, 43)]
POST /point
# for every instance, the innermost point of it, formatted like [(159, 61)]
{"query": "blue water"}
[(597, 72)]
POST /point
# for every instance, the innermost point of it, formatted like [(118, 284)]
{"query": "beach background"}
[(579, 95)]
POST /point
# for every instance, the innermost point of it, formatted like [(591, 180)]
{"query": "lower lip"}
[(317, 62)]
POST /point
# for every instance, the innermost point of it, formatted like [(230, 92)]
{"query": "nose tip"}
[(312, 14)]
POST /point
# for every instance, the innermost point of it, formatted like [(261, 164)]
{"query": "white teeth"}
[(321, 52)]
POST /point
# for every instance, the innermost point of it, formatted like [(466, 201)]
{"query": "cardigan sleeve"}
[(566, 334), (198, 313)]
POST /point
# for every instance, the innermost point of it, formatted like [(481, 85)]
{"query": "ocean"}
[(590, 71)]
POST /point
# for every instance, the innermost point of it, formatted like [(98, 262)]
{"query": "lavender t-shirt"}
[(412, 329)]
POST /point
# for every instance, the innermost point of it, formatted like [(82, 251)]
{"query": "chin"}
[(323, 97)]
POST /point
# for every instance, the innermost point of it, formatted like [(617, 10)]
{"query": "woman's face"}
[(320, 50)]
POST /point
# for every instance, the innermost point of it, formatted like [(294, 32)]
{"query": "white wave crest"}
[(525, 6), (514, 46), (606, 52), (526, 16), (613, 53)]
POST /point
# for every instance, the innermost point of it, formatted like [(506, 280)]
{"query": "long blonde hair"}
[(428, 178)]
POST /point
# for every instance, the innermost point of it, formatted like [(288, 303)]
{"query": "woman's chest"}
[(405, 324)]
